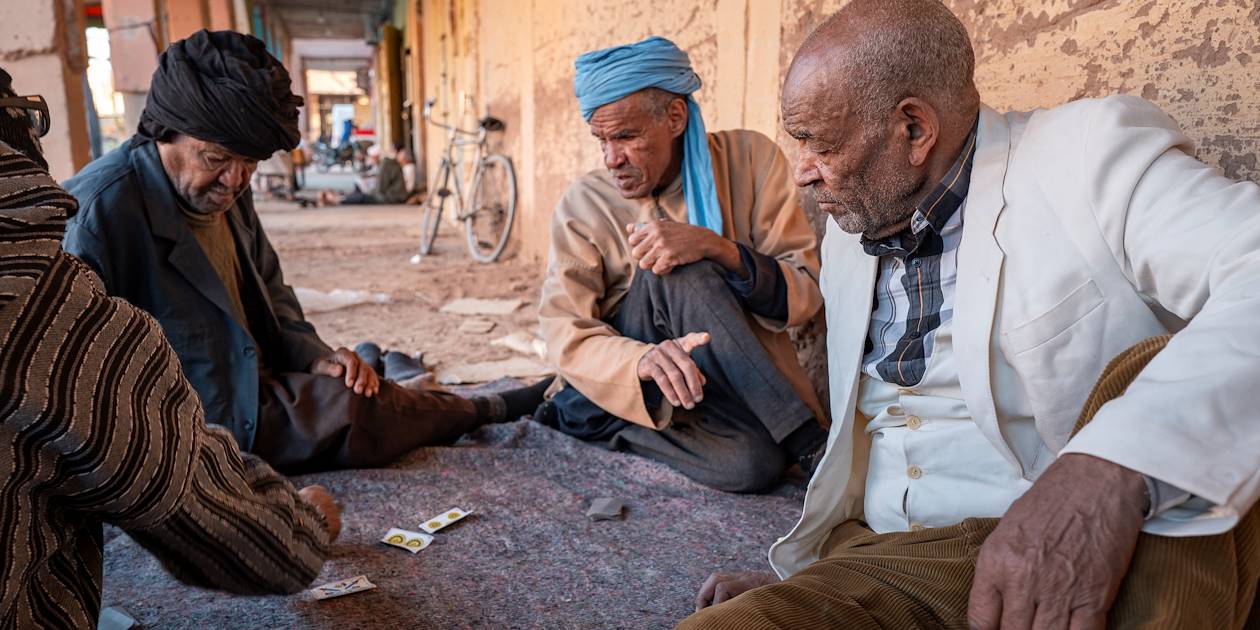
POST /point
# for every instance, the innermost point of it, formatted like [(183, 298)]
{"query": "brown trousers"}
[(923, 579), (309, 422)]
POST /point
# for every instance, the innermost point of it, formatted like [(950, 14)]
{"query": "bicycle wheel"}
[(438, 194), (489, 223)]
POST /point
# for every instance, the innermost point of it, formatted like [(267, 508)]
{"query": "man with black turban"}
[(167, 222)]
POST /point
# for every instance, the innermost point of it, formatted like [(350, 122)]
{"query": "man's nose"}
[(234, 176), (614, 158), (806, 171)]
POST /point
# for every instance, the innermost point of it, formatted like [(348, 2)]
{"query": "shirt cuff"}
[(1164, 496), (764, 290)]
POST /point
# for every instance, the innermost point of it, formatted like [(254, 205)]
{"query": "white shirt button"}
[(894, 410), (905, 392), (914, 422), (915, 527), (914, 472)]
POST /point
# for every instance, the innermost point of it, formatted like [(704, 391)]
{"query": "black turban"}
[(15, 128), (223, 87)]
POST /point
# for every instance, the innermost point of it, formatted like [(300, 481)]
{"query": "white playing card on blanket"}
[(444, 519), (403, 539), (344, 587)]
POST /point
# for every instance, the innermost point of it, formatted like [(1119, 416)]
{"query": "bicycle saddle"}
[(490, 123)]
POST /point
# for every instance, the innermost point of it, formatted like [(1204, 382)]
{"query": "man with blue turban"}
[(674, 275)]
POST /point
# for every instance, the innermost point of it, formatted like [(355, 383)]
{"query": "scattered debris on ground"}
[(516, 367), (367, 248)]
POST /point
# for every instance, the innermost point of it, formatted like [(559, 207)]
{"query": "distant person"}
[(389, 185), (410, 181), (347, 132), (301, 158), (98, 425), (674, 275), (169, 224)]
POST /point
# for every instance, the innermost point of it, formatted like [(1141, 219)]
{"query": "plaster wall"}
[(42, 46), (185, 17), (514, 59), (134, 42)]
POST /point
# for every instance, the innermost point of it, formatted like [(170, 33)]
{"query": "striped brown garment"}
[(98, 425)]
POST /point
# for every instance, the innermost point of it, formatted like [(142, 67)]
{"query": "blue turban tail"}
[(611, 74)]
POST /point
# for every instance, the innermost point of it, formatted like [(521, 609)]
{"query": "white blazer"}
[(1088, 228)]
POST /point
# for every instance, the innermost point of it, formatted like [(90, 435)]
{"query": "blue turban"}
[(611, 74)]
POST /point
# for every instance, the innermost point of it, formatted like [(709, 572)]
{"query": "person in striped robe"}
[(98, 425)]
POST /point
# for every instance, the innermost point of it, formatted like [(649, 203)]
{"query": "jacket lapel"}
[(167, 222), (848, 289), (979, 274)]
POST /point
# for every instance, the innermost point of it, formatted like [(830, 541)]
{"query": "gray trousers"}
[(729, 441)]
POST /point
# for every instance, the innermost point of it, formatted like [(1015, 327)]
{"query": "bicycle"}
[(489, 211)]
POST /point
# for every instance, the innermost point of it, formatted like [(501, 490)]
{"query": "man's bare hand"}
[(669, 364), (661, 245), (1058, 557), (723, 586), (318, 496), (358, 375)]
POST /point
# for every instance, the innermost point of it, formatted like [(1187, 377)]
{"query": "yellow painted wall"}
[(514, 58)]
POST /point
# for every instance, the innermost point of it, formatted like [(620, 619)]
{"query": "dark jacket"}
[(131, 231), (391, 186)]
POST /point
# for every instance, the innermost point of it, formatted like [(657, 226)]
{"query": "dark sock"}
[(512, 404), (400, 367), (805, 441)]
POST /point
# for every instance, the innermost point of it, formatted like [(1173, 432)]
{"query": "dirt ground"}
[(367, 248)]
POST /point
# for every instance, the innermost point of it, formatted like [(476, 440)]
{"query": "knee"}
[(746, 469), (702, 273)]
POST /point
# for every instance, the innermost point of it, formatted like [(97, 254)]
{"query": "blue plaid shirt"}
[(914, 293)]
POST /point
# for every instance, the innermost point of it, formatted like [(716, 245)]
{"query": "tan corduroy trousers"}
[(923, 579)]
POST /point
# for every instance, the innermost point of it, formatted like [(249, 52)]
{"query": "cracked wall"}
[(514, 59)]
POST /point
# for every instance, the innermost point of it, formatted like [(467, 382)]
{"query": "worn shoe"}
[(809, 461), (371, 355), (546, 414), (401, 367)]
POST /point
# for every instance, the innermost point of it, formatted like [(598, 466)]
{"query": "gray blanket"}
[(527, 558)]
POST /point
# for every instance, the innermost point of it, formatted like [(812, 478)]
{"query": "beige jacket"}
[(590, 269)]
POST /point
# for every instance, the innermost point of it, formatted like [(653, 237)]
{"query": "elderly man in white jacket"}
[(980, 270)]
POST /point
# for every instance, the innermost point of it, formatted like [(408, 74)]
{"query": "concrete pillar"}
[(222, 15), (135, 41), (42, 46), (242, 11), (415, 84), (390, 76), (185, 17)]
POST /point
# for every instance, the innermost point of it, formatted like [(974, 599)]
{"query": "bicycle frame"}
[(453, 161)]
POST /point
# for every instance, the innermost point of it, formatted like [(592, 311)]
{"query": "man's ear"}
[(677, 117), (919, 126)]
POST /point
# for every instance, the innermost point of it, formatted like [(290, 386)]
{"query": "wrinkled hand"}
[(359, 375), (318, 496), (1058, 557), (723, 586), (669, 364), (661, 245)]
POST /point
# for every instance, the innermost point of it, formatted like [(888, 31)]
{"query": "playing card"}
[(344, 587), (403, 539), (444, 519)]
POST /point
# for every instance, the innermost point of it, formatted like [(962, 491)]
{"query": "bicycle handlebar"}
[(428, 117)]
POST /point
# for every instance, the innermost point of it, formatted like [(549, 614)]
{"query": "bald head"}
[(881, 99), (879, 52)]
